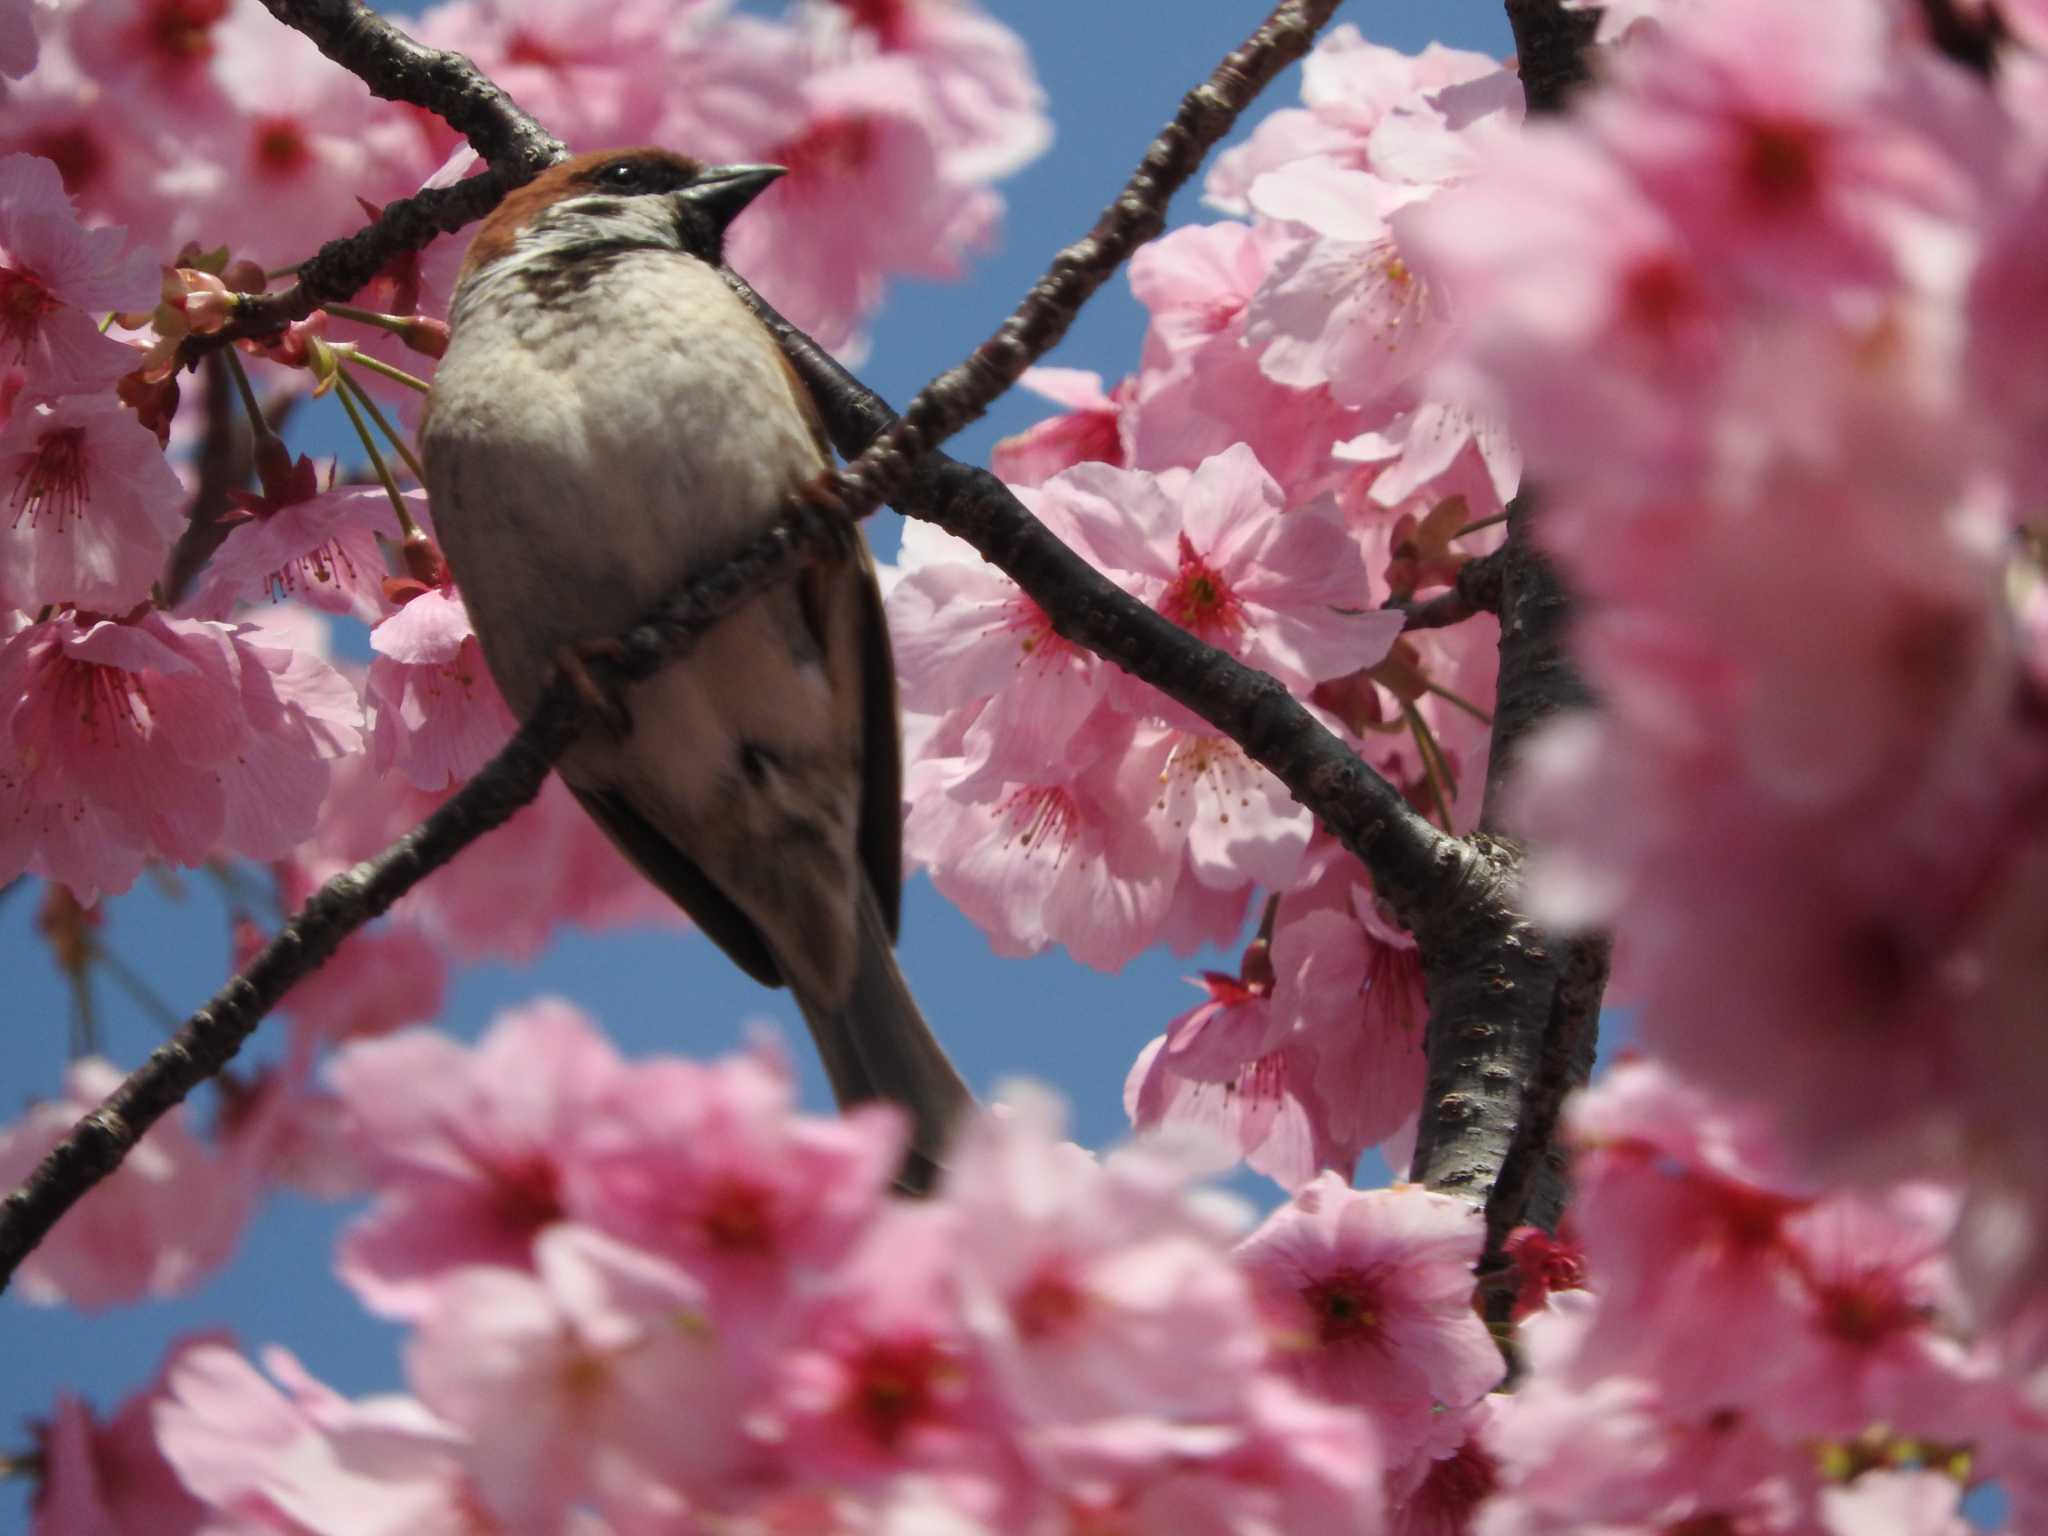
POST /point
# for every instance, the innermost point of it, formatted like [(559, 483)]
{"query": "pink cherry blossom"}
[(591, 1376), (1791, 145), (881, 1379), (1090, 432), (1348, 85), (160, 737), (1058, 858), (1293, 1463), (278, 173), (1881, 1503), (1369, 1297), (1348, 993), (468, 1148), (867, 194), (1267, 1109), (986, 99), (966, 638), (1344, 309), (711, 1168), (57, 280), (435, 714), (1213, 551), (1616, 1454), (571, 871), (322, 551), (110, 1478), (170, 1215), (96, 506), (1200, 388), (304, 1460), (594, 71), (1098, 1291)]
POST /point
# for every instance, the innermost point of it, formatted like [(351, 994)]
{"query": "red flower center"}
[(830, 149), (896, 1387), (1346, 1304), (524, 47), (736, 1218), (1780, 164), (53, 481), (529, 1193), (1040, 817), (74, 149), (1048, 1305), (1200, 599), (1657, 295), (109, 703), (1865, 1309), (182, 30), (889, 20), (23, 303), (280, 145)]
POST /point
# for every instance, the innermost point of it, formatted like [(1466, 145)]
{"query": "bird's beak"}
[(721, 191)]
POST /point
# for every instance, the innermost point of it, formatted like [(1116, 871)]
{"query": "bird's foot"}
[(603, 698)]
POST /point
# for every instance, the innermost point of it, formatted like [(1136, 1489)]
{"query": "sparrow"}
[(608, 418)]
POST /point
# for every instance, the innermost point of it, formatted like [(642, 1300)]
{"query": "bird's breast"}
[(587, 446)]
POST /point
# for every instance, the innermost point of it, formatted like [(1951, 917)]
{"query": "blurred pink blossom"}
[(57, 281), (468, 1148), (169, 1216)]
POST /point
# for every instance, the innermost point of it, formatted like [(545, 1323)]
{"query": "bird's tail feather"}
[(876, 1045)]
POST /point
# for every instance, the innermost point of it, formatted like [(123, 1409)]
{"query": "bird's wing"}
[(661, 861)]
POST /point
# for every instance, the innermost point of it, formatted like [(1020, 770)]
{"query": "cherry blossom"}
[(435, 714), (162, 737), (57, 280), (1368, 1295), (110, 1476), (321, 550), (711, 1168), (1090, 433), (170, 1215), (305, 1460), (96, 507), (593, 1374), (469, 1149)]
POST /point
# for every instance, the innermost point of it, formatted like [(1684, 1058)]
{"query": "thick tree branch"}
[(347, 32), (1512, 1034)]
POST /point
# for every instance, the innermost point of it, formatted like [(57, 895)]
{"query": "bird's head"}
[(618, 200)]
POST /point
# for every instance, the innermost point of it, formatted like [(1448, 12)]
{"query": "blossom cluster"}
[(1283, 478), (647, 1296), (1764, 313)]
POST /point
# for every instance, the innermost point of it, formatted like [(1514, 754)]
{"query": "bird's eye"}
[(623, 176)]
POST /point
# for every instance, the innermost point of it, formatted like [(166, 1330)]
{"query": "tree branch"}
[(1510, 1036), (350, 34), (1408, 856)]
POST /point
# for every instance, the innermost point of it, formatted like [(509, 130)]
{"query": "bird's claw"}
[(603, 698)]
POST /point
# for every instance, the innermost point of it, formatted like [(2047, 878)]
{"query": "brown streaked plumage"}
[(609, 418)]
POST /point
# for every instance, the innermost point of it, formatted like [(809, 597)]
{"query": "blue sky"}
[(1114, 70)]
